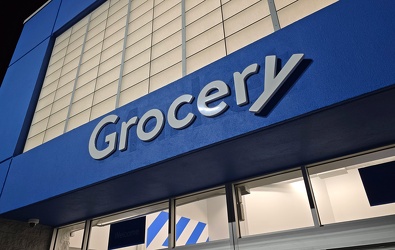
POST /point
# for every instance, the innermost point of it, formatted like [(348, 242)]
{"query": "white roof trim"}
[(27, 19)]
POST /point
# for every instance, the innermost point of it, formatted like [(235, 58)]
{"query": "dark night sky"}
[(13, 13)]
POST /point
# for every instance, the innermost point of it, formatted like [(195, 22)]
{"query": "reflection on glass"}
[(70, 237), (144, 228), (339, 191), (201, 218), (273, 204)]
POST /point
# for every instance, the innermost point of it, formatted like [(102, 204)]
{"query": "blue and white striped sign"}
[(188, 231)]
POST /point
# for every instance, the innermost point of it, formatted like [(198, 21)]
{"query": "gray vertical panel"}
[(57, 86), (183, 34), (273, 14), (53, 240), (152, 39), (310, 196), (233, 222), (223, 27), (172, 223), (101, 50), (123, 55), (76, 74), (87, 233)]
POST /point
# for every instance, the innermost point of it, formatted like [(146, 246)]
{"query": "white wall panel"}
[(166, 45), (105, 92), (76, 27), (170, 58), (75, 44), (246, 17), (204, 40), (200, 10), (108, 77), (94, 41), (167, 16), (87, 77), (38, 127), (51, 78), (61, 103), (42, 114), (61, 45), (137, 61), (78, 120), (103, 108), (54, 132), (73, 64), (189, 4), (81, 105), (117, 6), (300, 9), (91, 52), (164, 6), (138, 47), (64, 90), (137, 3), (67, 78), (97, 28), (45, 101), (133, 93), (205, 57), (206, 22), (167, 30), (34, 141), (135, 76), (55, 66), (142, 9), (89, 65), (58, 56), (61, 39), (78, 34), (109, 64), (165, 77), (249, 34), (49, 89), (138, 33), (57, 117), (113, 38), (84, 90)]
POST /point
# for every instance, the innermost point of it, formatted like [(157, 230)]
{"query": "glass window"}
[(137, 229), (339, 191), (274, 203), (70, 237), (201, 218)]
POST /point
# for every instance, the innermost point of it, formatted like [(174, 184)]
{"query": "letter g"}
[(110, 139)]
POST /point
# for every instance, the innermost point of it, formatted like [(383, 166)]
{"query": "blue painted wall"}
[(27, 69), (348, 52), (38, 29), (17, 94), (4, 167)]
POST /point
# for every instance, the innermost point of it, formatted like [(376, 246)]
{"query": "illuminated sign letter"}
[(110, 139), (160, 122), (210, 93), (273, 82), (240, 83), (123, 138), (172, 118)]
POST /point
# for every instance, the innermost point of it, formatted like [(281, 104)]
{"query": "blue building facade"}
[(338, 100)]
